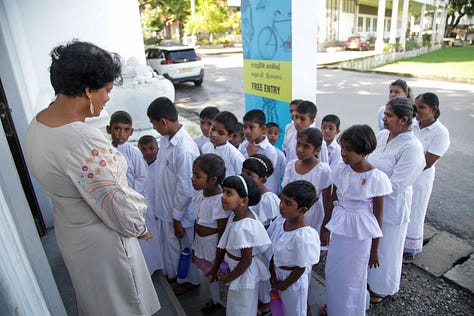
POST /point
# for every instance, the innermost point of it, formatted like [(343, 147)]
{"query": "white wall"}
[(29, 29), (304, 26)]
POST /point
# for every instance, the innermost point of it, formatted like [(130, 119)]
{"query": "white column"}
[(442, 24), (422, 23), (20, 293), (403, 30), (304, 26), (433, 24), (393, 22), (380, 26)]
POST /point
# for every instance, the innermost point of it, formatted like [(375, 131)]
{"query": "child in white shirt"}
[(222, 128), (120, 129), (243, 240), (173, 207), (295, 247), (210, 217), (206, 117), (330, 128)]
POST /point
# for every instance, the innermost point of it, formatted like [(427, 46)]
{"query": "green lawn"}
[(448, 63)]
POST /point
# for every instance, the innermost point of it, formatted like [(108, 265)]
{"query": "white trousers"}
[(171, 250)]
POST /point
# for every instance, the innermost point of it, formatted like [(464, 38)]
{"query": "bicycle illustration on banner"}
[(271, 35)]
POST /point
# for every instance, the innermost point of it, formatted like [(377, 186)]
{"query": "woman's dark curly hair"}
[(80, 65)]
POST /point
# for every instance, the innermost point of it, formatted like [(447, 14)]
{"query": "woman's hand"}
[(146, 236), (212, 274)]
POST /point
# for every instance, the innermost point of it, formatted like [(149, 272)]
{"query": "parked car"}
[(356, 42), (176, 63)]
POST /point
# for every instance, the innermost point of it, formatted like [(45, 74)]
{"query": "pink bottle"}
[(276, 304)]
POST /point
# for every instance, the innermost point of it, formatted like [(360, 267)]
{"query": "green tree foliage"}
[(456, 10), (156, 12), (212, 16)]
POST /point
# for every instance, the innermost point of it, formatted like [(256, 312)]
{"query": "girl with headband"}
[(243, 239)]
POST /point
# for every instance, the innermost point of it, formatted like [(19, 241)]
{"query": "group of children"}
[(236, 198)]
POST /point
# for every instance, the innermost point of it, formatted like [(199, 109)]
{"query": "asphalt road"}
[(355, 98)]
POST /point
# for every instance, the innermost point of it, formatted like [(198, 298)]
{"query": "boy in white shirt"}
[(175, 191), (290, 127), (330, 128), (257, 143), (120, 129), (273, 135), (151, 248), (222, 128), (206, 117), (304, 117)]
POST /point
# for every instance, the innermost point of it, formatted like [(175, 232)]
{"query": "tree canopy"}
[(456, 10)]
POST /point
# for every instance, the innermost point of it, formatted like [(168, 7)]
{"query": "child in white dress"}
[(210, 217), (243, 239), (259, 168), (308, 167), (295, 247), (354, 222)]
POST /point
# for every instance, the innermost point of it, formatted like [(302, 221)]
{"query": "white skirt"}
[(346, 275), (385, 280), (242, 302), (421, 196)]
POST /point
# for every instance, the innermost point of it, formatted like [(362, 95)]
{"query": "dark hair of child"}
[(212, 165), (209, 112), (229, 121), (296, 101), (314, 135), (80, 65), (361, 137), (303, 192), (402, 107), (260, 164), (307, 107), (272, 124), (255, 116), (146, 139), (240, 129), (333, 119), (431, 100), (251, 191), (162, 107), (120, 117)]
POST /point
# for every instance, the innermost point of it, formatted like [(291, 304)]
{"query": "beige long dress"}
[(97, 218)]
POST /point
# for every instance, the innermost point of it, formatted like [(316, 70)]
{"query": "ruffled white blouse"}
[(268, 208), (208, 209), (296, 248), (246, 233), (353, 215)]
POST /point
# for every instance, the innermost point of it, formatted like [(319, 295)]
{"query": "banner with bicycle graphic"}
[(266, 44)]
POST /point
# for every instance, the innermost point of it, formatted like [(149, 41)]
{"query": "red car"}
[(356, 42)]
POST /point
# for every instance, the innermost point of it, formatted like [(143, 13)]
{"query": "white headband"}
[(245, 184), (261, 161)]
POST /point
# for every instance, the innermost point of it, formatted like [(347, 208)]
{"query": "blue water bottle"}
[(184, 262)]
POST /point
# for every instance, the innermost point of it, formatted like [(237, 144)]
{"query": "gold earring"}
[(91, 106)]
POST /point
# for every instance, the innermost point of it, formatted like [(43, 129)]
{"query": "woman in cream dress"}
[(98, 218)]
